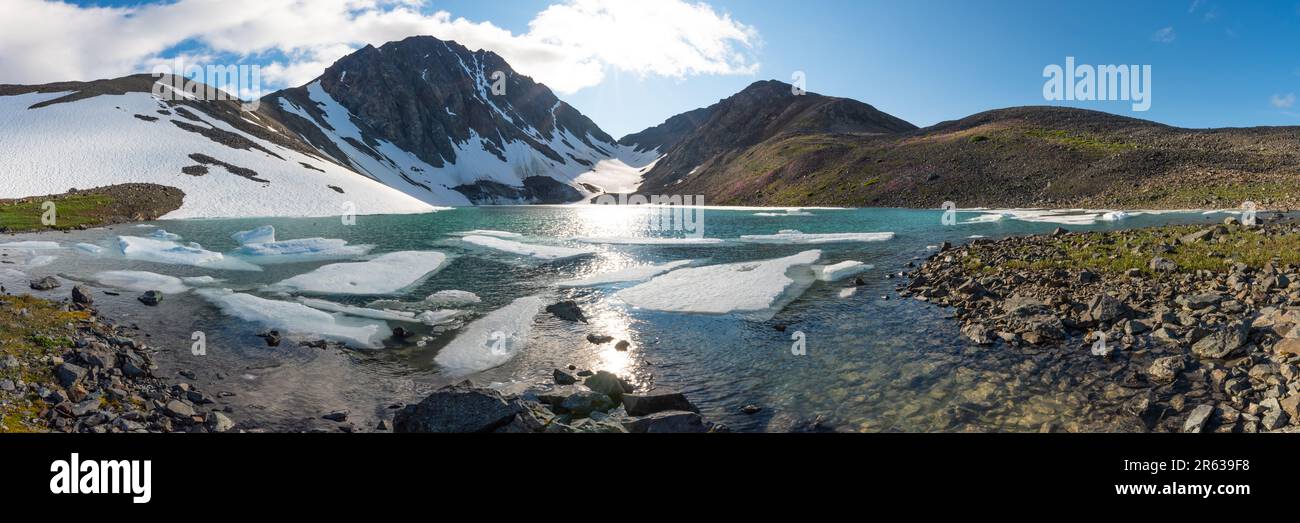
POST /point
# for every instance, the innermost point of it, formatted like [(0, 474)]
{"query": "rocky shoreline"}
[(1165, 329), (65, 369)]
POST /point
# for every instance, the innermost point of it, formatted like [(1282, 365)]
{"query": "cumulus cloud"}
[(568, 46), (1283, 101), (1164, 35)]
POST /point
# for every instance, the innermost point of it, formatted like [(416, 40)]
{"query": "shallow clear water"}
[(871, 363)]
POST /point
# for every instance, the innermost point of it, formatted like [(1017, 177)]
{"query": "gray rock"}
[(7, 385), (1166, 369), (583, 403), (644, 404), (81, 295), (456, 409), (567, 310), (44, 284), (1199, 301), (599, 339), (1221, 343), (1197, 418), (151, 298), (608, 384), (563, 378), (218, 422), (179, 408), (1105, 308), (69, 374), (1159, 264), (338, 416)]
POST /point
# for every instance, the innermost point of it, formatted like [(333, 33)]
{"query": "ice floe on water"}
[(758, 288), (648, 240), (31, 245), (385, 274), (300, 250), (437, 300), (493, 339), (489, 232), (452, 298), (839, 271), (200, 280), (170, 252), (627, 274), (295, 318), (140, 281), (41, 260), (541, 252), (799, 238), (263, 234), (1114, 216), (361, 312), (89, 248), (260, 246), (788, 212), (848, 292), (162, 234)]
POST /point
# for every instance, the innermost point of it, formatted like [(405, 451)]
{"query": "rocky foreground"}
[(603, 403), (1172, 329), (64, 369)]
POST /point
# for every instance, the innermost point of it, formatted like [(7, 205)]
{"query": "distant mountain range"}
[(414, 124)]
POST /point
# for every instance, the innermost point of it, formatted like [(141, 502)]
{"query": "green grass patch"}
[(1117, 252), (1078, 141), (71, 211)]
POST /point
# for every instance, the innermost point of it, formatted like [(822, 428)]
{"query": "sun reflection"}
[(615, 322)]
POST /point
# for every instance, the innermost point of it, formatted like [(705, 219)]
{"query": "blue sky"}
[(1219, 63)]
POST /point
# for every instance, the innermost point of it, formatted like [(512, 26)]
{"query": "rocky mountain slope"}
[(1016, 157), (764, 112), (400, 128)]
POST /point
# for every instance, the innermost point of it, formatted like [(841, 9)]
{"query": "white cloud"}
[(568, 46), (1164, 35), (1283, 101)]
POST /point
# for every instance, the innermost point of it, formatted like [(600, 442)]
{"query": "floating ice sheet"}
[(758, 288), (493, 339), (385, 274)]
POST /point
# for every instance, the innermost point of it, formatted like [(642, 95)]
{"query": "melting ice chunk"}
[(296, 318), (170, 252), (800, 238), (634, 273), (140, 281), (641, 240), (385, 274), (493, 339), (541, 252), (839, 270), (263, 234), (759, 288), (489, 232)]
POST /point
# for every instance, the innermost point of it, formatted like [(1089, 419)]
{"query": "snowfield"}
[(98, 141)]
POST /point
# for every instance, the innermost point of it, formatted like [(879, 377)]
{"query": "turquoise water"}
[(871, 364)]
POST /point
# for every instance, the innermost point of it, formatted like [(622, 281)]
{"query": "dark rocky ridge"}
[(764, 111), (425, 95)]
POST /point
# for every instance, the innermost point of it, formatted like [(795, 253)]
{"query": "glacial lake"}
[(867, 363)]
